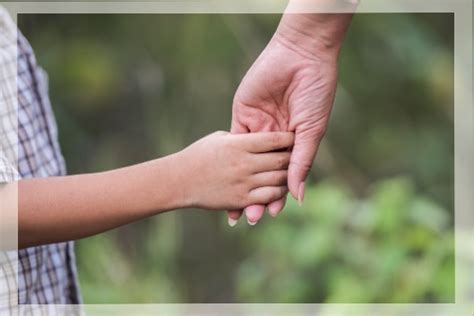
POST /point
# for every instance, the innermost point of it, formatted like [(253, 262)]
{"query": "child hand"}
[(226, 171)]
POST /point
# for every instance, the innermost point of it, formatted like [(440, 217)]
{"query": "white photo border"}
[(463, 169)]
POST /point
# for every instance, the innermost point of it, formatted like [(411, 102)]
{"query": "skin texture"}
[(220, 171), (291, 87)]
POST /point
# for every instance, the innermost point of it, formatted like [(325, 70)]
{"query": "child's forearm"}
[(220, 171), (67, 208)]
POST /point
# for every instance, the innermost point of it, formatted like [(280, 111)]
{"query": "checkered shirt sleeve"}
[(8, 101), (30, 149)]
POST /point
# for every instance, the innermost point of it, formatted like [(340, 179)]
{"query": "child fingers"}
[(266, 142), (271, 179), (270, 161), (266, 195)]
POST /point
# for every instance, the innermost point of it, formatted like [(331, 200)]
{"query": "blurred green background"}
[(377, 223)]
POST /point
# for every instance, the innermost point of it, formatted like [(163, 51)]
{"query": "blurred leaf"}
[(391, 200), (428, 214)]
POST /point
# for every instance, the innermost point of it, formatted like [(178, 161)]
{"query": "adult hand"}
[(291, 87)]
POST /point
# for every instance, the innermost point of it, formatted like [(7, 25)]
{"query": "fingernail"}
[(301, 194), (251, 223), (232, 222)]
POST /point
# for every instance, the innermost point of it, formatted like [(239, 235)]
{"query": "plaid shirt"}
[(46, 274)]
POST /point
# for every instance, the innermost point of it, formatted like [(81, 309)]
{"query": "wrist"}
[(185, 189), (316, 36), (161, 184)]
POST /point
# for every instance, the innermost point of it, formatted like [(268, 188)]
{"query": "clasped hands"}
[(290, 88), (287, 89)]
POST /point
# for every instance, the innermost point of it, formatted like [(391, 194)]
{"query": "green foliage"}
[(377, 222), (390, 247)]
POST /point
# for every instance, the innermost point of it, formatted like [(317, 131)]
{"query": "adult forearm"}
[(315, 34), (68, 208)]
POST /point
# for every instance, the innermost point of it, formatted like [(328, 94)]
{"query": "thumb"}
[(301, 161), (237, 127)]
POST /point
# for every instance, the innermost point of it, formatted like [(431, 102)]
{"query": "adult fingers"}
[(301, 161)]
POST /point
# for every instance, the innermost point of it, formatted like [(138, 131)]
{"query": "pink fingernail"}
[(301, 194), (251, 223), (254, 213)]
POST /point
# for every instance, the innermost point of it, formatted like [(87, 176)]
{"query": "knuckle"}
[(280, 162), (283, 177), (276, 179)]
